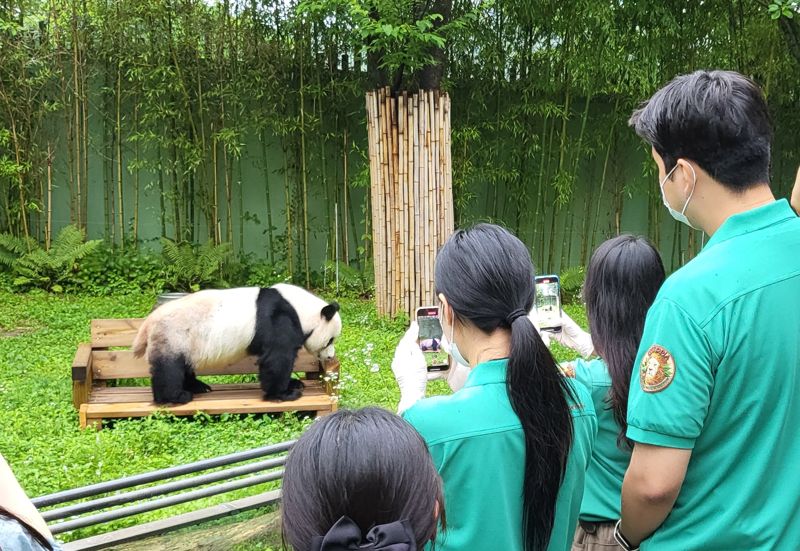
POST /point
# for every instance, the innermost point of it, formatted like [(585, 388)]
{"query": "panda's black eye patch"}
[(330, 342)]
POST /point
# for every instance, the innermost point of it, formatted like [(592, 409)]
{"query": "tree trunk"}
[(430, 76)]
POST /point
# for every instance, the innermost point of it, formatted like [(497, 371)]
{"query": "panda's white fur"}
[(213, 328)]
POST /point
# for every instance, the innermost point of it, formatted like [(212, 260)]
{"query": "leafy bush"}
[(264, 275), (109, 271), (352, 282), (36, 267), (572, 284), (190, 267)]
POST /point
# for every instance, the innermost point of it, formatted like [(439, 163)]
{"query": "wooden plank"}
[(156, 527), (81, 375), (211, 406), (114, 332), (122, 394), (120, 364)]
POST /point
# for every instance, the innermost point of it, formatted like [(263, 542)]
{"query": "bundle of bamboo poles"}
[(412, 194)]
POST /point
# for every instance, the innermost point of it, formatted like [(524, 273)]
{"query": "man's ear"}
[(686, 176), (330, 310)]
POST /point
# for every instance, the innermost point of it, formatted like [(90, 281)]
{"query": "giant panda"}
[(215, 327)]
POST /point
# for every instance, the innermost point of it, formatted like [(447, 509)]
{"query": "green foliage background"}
[(242, 121)]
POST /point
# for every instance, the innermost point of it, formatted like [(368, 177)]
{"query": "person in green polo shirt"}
[(622, 280), (512, 446), (714, 406)]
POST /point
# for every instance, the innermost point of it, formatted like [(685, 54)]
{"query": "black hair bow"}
[(345, 535)]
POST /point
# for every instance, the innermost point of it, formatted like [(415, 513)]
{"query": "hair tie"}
[(345, 535), (512, 317)]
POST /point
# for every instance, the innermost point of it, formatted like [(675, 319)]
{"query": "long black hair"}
[(622, 281), (367, 464), (486, 275)]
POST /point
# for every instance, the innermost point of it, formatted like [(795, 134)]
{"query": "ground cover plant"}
[(48, 452)]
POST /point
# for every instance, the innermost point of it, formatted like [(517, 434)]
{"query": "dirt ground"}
[(261, 533)]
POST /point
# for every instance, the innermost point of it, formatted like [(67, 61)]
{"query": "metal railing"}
[(140, 500)]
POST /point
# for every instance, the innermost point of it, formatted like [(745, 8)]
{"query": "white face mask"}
[(679, 216), (450, 346)]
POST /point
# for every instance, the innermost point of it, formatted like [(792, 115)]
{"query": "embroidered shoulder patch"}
[(657, 369), (567, 370)]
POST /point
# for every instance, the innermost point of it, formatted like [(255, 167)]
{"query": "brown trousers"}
[(595, 536)]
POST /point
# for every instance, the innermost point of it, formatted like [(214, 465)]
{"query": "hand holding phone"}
[(430, 339), (548, 302)]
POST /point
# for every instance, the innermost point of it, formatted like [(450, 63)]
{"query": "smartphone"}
[(430, 339), (548, 302)]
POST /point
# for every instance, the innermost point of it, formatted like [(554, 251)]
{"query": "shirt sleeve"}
[(672, 380)]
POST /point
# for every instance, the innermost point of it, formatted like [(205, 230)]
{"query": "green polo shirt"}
[(718, 372), (478, 447), (603, 488)]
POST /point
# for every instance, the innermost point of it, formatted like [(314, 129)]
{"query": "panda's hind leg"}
[(275, 374), (167, 380), (193, 384)]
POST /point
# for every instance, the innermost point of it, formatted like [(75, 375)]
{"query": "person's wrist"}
[(408, 398), (621, 540)]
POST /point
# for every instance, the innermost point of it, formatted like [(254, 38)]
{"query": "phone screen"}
[(548, 302), (430, 338)]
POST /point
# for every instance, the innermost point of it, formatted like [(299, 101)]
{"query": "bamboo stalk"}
[(48, 232), (215, 192), (120, 213), (373, 142), (386, 198), (379, 247), (346, 194), (396, 206), (402, 178), (136, 172), (413, 202)]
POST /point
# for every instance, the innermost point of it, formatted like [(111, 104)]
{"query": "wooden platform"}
[(95, 366)]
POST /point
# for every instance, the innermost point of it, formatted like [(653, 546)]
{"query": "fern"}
[(33, 266), (191, 267), (12, 247)]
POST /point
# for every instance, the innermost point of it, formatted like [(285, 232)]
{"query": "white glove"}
[(572, 336), (545, 335), (410, 369)]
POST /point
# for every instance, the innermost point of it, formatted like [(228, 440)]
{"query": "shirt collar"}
[(486, 373), (752, 220)]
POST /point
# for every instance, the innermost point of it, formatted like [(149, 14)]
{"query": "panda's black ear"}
[(330, 310)]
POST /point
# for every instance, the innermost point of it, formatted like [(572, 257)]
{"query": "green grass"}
[(48, 452)]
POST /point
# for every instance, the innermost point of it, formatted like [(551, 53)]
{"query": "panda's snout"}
[(327, 353)]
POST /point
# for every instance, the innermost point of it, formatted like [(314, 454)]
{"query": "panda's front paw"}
[(182, 397), (296, 384)]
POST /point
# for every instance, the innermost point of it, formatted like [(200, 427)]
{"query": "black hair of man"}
[(718, 119)]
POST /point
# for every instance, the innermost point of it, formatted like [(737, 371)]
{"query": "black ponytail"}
[(487, 277), (538, 394)]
